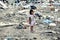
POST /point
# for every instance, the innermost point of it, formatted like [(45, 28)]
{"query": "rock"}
[(49, 31), (30, 39), (34, 38), (8, 38), (11, 38), (58, 38), (24, 38), (16, 39), (55, 38)]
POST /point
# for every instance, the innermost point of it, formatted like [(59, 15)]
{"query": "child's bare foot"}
[(32, 31)]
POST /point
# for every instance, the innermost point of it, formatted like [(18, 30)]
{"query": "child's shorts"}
[(32, 23)]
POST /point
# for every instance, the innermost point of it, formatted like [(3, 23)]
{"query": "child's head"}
[(31, 12)]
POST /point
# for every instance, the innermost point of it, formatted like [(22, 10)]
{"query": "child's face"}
[(33, 12)]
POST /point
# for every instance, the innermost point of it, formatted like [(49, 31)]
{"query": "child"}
[(31, 20)]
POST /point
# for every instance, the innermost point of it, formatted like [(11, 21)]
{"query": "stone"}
[(30, 39), (49, 31), (8, 38), (34, 38), (58, 38)]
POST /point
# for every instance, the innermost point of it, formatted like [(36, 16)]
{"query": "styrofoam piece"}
[(51, 16), (52, 24), (4, 6), (56, 10), (25, 23), (3, 24), (44, 16), (25, 10), (21, 11), (58, 20)]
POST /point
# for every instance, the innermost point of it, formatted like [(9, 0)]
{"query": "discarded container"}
[(8, 38), (47, 21), (38, 15), (19, 27)]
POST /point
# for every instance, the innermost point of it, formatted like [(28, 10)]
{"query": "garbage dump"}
[(3, 5), (14, 21)]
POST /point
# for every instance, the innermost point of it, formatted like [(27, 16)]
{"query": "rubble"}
[(14, 24)]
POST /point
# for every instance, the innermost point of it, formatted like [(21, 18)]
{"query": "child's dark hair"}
[(31, 12)]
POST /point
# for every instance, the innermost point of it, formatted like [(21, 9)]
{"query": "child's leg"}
[(32, 25), (31, 28)]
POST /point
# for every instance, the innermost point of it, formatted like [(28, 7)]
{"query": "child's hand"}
[(27, 20)]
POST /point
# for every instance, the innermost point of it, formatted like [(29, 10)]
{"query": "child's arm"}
[(29, 20)]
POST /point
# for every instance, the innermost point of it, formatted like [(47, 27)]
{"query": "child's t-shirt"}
[(32, 18)]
